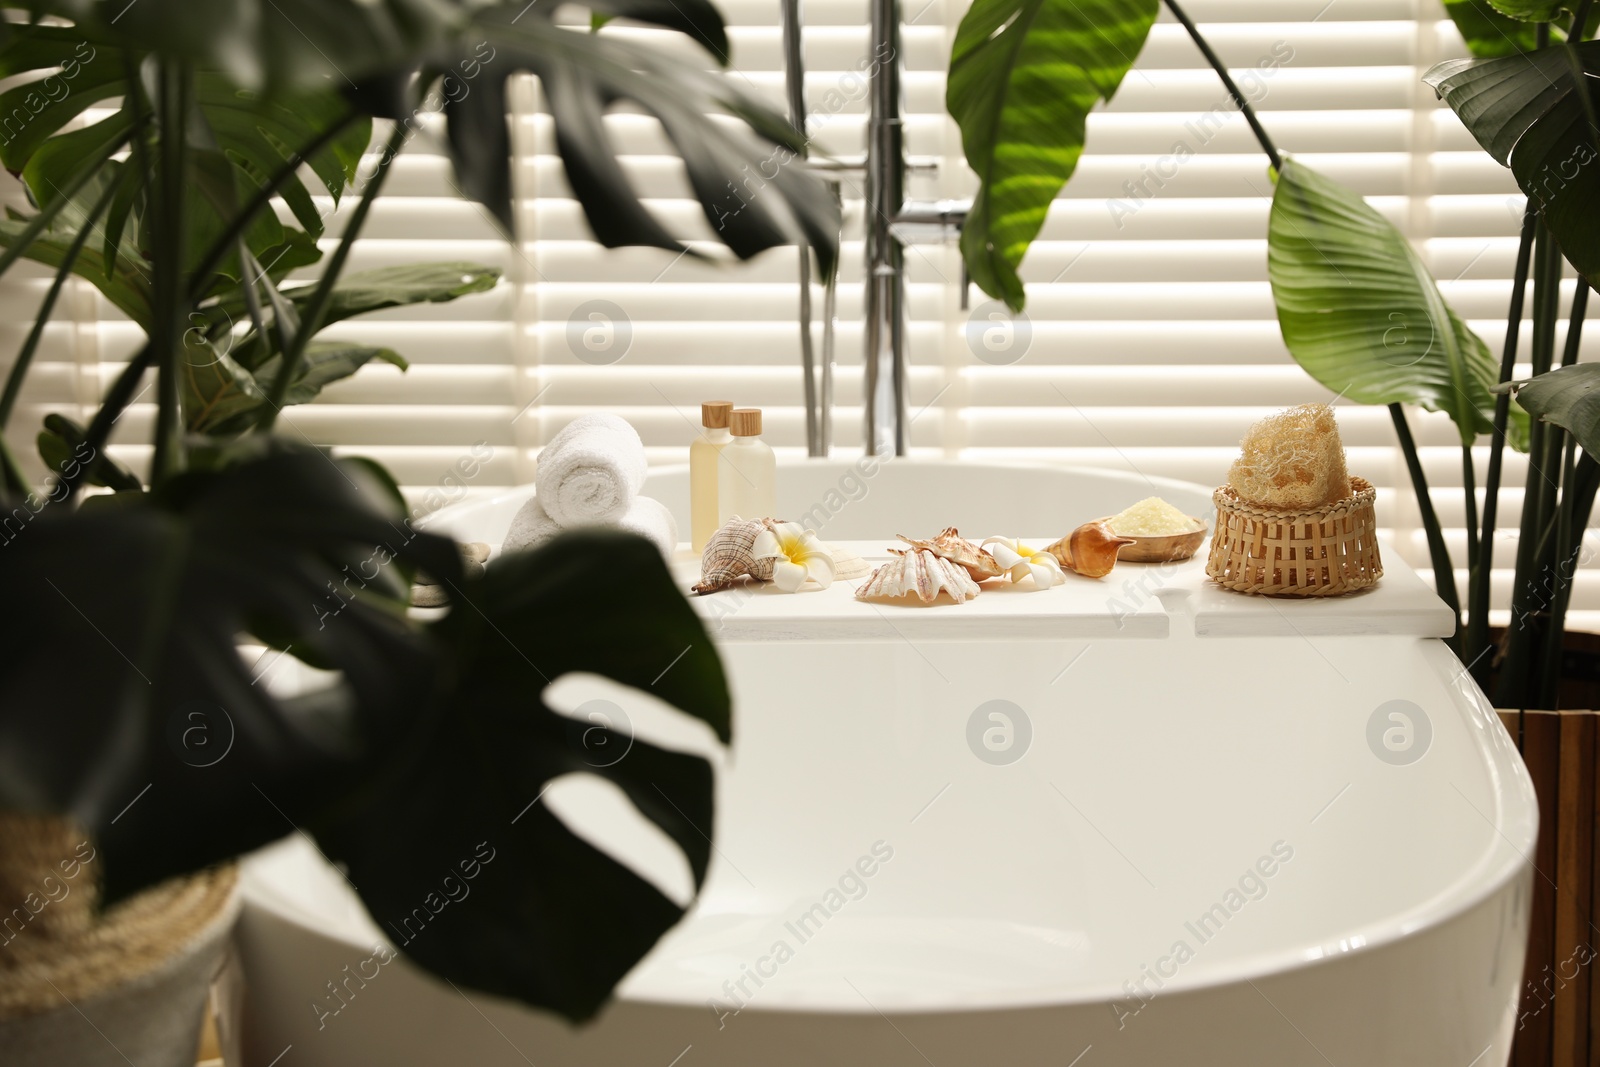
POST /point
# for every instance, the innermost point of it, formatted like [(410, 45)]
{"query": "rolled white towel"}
[(653, 520), (591, 471), (649, 518), (530, 527)]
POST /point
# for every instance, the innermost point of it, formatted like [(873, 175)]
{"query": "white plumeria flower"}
[(1020, 561), (799, 554)]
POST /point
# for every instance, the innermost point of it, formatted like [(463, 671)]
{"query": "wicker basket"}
[(1318, 552)]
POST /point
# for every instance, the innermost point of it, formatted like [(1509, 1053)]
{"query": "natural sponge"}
[(1292, 460)]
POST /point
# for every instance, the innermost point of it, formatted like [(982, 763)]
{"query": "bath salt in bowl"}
[(1160, 532)]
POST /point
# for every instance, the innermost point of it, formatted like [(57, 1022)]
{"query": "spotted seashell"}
[(729, 555), (921, 572)]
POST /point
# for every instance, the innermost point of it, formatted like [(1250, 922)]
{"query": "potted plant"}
[(1356, 305), (136, 745)]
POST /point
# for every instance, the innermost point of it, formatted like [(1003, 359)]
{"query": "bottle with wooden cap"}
[(747, 474), (703, 463)]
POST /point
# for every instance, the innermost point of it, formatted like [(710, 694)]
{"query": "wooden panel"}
[(1541, 751), (1574, 882)]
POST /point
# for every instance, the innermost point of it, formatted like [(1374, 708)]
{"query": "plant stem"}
[(169, 293), (317, 307), (1483, 569), (1228, 83), (19, 369), (1569, 527), (1444, 575), (1518, 685)]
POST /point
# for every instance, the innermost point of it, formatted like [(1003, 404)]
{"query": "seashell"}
[(730, 555), (1090, 550), (950, 545), (848, 565), (921, 572)]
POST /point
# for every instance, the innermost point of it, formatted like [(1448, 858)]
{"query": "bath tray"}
[(1136, 601)]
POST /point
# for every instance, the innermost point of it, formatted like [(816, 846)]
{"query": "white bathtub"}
[(1197, 856)]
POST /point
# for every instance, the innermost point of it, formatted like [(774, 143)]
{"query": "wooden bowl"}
[(1166, 548)]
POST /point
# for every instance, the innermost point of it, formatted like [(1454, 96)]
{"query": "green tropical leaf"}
[(1530, 10), (63, 443), (1525, 113), (1361, 313), (159, 588), (1569, 397), (1024, 75), (384, 287), (228, 397), (585, 74), (1487, 32), (553, 921)]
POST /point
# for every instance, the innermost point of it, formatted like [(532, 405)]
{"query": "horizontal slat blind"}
[(1152, 337)]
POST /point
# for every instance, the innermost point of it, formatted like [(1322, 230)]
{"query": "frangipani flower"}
[(1021, 561), (799, 554)]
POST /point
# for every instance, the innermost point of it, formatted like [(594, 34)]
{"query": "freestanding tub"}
[(1138, 821)]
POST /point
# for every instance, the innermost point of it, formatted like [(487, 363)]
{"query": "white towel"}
[(530, 528), (591, 470), (650, 519)]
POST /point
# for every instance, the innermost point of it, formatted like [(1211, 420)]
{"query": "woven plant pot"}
[(93, 989), (1315, 552)]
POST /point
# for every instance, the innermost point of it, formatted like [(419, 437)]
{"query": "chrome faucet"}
[(891, 223)]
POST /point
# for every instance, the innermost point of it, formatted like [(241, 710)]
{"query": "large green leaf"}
[(1024, 75), (1487, 32), (273, 44), (552, 921), (1525, 112), (1360, 312), (384, 287), (1531, 10), (1569, 397), (133, 612), (234, 396), (741, 172)]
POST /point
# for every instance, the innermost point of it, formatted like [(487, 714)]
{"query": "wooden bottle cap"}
[(714, 414), (746, 422)]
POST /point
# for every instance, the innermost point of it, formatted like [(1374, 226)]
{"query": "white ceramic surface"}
[(1179, 845)]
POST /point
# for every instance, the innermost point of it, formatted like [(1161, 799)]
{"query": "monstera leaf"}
[(236, 139), (1525, 111), (1569, 397), (743, 174), (1360, 312), (133, 614), (1024, 75), (552, 920), (272, 44), (1487, 32)]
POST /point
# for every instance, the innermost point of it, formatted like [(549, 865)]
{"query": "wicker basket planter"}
[(88, 989), (1320, 552)]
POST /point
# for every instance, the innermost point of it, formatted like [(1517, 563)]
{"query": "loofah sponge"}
[(1292, 460)]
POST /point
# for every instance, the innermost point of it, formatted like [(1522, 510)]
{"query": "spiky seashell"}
[(921, 572), (1090, 550), (730, 555), (950, 545), (848, 565)]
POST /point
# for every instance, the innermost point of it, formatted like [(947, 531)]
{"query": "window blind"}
[(1150, 340)]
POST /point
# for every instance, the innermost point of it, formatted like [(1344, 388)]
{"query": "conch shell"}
[(1090, 550), (921, 572), (730, 555), (950, 545)]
